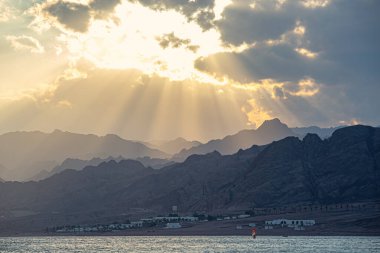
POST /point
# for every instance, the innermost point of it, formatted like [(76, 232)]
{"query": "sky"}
[(148, 70)]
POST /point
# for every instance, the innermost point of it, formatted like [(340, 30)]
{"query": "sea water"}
[(172, 244)]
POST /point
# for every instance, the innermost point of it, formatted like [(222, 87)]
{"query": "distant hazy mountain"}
[(73, 164), (321, 132), (25, 154), (1, 180), (268, 132), (342, 169), (173, 146), (78, 164)]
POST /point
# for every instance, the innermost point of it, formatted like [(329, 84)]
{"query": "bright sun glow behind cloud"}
[(277, 58), (129, 39)]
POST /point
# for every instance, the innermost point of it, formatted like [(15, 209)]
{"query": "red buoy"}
[(254, 233)]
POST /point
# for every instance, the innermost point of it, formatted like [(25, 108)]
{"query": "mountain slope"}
[(72, 164), (269, 131), (341, 169), (119, 189), (72, 190), (27, 153), (78, 164)]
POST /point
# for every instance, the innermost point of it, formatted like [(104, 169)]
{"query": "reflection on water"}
[(190, 244)]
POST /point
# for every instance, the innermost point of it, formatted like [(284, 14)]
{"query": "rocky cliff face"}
[(342, 168)]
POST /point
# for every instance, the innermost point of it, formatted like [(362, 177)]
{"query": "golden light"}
[(130, 40), (307, 53)]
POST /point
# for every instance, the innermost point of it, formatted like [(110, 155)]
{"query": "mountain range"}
[(78, 164), (25, 154), (37, 155), (340, 169), (269, 131)]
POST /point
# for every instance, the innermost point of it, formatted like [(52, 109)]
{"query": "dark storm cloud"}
[(279, 62), (199, 11), (345, 34), (242, 23), (77, 16), (72, 15)]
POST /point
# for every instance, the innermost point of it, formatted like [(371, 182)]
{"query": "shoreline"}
[(327, 224)]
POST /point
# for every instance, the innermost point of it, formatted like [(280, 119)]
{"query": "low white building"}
[(290, 223), (301, 223), (188, 218), (136, 224), (173, 225), (175, 219), (125, 225)]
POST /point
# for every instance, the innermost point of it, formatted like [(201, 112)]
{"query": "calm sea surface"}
[(190, 244)]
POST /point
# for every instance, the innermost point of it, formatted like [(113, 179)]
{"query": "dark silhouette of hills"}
[(24, 154), (73, 164), (78, 164), (321, 132), (269, 131), (343, 168)]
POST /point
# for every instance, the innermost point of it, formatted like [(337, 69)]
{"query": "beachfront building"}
[(290, 223), (136, 224), (173, 225), (175, 219)]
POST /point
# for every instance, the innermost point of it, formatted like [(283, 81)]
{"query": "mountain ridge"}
[(342, 168), (38, 150), (269, 131)]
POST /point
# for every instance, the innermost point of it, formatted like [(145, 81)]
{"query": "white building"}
[(136, 224), (175, 219), (173, 225), (290, 223)]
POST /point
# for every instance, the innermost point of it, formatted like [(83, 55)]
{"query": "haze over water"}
[(190, 244)]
